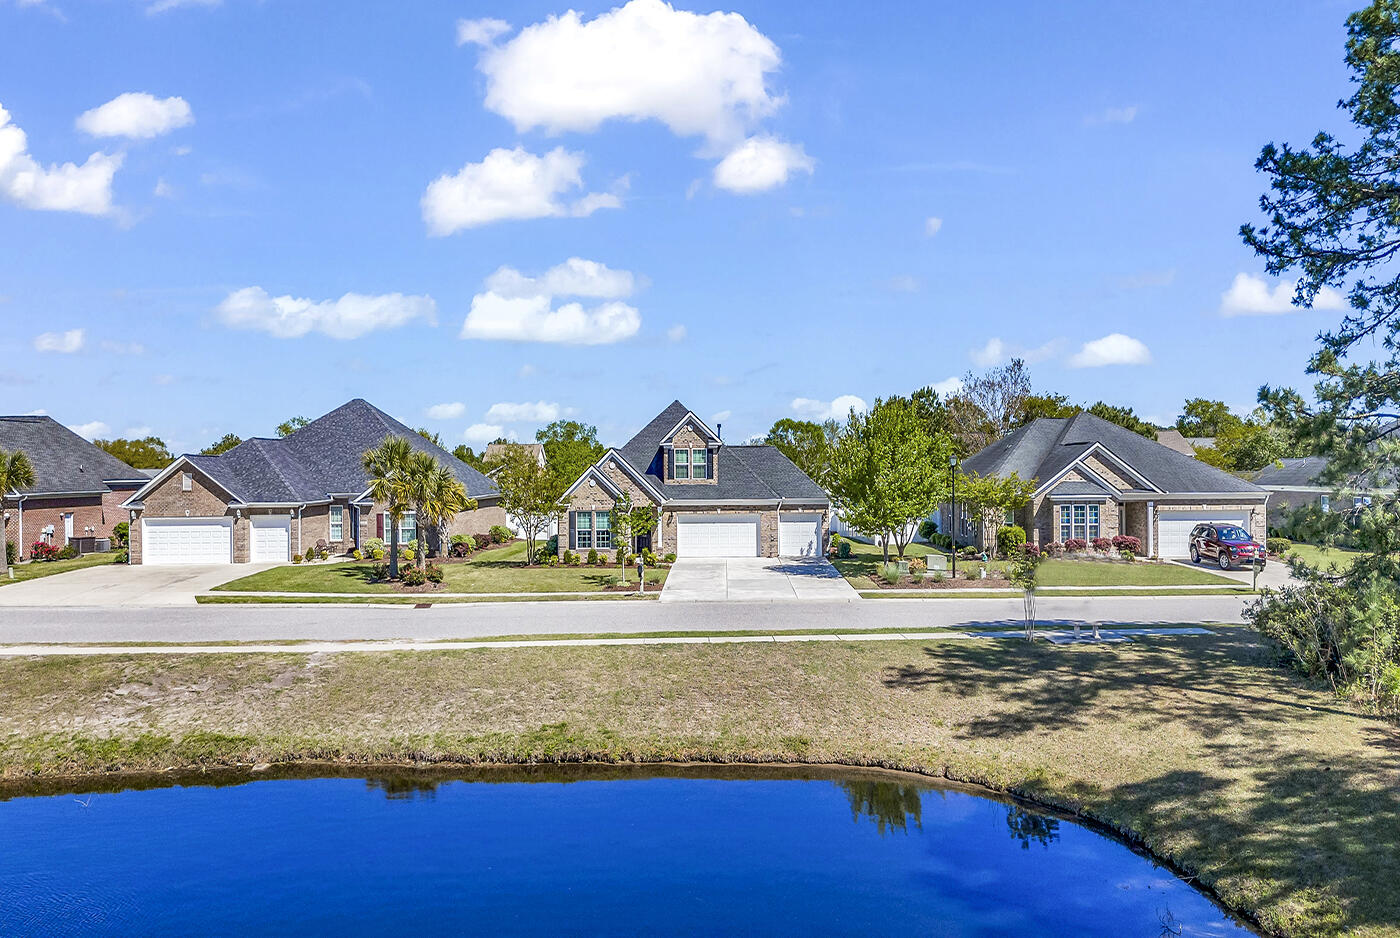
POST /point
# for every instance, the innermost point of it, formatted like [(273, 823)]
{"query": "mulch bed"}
[(947, 583)]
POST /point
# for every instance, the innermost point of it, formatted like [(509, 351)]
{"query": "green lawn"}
[(32, 571), (866, 558), (1325, 557), (502, 570), (1253, 781)]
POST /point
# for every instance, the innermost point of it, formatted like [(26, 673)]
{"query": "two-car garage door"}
[(186, 540), (799, 535)]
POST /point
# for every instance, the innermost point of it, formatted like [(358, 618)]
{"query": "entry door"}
[(67, 528)]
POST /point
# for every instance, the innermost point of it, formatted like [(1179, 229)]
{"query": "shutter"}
[(670, 464), (573, 530), (379, 525)]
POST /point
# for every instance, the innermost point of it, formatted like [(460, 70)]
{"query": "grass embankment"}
[(34, 570), (415, 599), (500, 570), (1274, 795), (1325, 557), (1006, 592), (865, 561)]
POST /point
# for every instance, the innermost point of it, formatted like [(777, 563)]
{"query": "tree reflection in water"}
[(404, 787), (890, 805), (1027, 826)]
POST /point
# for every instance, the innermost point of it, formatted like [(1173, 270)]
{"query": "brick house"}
[(1097, 479), (78, 488), (713, 499), (265, 499)]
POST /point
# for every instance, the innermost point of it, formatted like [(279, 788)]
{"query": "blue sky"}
[(761, 213)]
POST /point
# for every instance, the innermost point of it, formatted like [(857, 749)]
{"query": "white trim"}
[(602, 477), (1079, 462), (690, 415), (632, 473), (134, 500)]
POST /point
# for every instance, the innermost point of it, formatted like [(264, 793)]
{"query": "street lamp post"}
[(953, 504)]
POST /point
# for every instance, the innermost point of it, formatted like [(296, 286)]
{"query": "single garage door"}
[(799, 535), (186, 540), (1174, 529), (270, 539), (716, 535)]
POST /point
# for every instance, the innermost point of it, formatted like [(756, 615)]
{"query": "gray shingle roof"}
[(741, 472), (323, 459), (63, 461), (1045, 447), (1301, 471), (1079, 488)]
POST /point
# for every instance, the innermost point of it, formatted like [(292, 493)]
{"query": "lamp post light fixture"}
[(953, 511)]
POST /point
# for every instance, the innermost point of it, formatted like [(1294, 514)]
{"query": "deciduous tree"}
[(807, 443), (288, 427), (529, 493), (570, 447), (225, 443), (148, 452)]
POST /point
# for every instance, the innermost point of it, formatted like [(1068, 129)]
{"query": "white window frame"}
[(407, 533), (1080, 520), (682, 467), (1325, 503), (337, 523), (187, 481), (704, 460), (599, 531), (1009, 518), (583, 534)]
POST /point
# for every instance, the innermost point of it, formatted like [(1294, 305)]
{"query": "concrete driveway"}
[(121, 585), (758, 579), (1274, 575)]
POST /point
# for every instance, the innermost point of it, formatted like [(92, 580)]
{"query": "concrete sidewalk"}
[(755, 579), (1057, 637)]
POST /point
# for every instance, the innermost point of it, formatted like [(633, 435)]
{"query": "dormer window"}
[(690, 464), (682, 464)]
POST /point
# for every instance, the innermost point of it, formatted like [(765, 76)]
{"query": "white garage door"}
[(717, 536), (1174, 529), (271, 539), (186, 540), (799, 535)]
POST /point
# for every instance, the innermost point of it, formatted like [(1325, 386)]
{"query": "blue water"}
[(636, 855)]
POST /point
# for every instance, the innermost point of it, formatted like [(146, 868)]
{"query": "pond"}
[(662, 851)]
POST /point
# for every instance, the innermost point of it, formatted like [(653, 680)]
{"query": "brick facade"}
[(687, 438), (204, 500), (93, 516)]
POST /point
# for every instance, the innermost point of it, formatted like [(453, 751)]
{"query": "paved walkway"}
[(754, 579), (118, 585), (1058, 637)]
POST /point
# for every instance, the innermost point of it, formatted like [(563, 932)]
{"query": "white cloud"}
[(527, 370), (56, 188), (701, 75), (164, 379), (903, 283), (1113, 115), (1250, 296), (92, 430), (948, 386), (138, 433), (760, 163), (161, 6), (932, 225), (1114, 349), (447, 411), (676, 333), (65, 343), (510, 185), (137, 116), (349, 317), (833, 410), (123, 348), (520, 308), (480, 32), (537, 412), (722, 415), (483, 432), (163, 189), (996, 352)]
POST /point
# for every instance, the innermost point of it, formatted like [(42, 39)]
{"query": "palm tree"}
[(388, 467), (437, 497), (16, 472)]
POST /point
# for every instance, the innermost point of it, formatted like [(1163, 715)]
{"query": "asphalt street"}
[(286, 622)]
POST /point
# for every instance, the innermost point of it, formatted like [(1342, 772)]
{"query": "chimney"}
[(719, 431)]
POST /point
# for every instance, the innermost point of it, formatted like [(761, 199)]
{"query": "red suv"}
[(1226, 544)]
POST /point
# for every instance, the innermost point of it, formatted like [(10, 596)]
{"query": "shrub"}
[(372, 545), (66, 552), (571, 558), (669, 558), (355, 554), (843, 550), (944, 541), (462, 545), (1010, 537), (11, 553), (42, 550), (123, 557), (969, 551), (1054, 548), (1127, 542), (1030, 550), (379, 554), (500, 534), (1127, 555), (928, 528), (296, 558), (550, 560), (592, 556), (407, 555), (412, 576), (1101, 545), (936, 576), (632, 559), (1076, 545), (434, 573), (1278, 545), (917, 565), (121, 534), (889, 572), (648, 556), (379, 572), (482, 541), (551, 546)]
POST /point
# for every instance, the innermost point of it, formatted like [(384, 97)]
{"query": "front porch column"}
[(1151, 530)]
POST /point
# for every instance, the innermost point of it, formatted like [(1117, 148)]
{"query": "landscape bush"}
[(648, 557), (434, 573), (1054, 549), (551, 546), (122, 557), (66, 552), (889, 572), (461, 545), (944, 541), (1101, 545), (1127, 555), (11, 553), (1127, 542), (43, 551), (1030, 550), (927, 529), (407, 555), (121, 533), (412, 576), (570, 558), (374, 544), (969, 551), (379, 554), (1076, 545), (379, 572), (500, 534), (355, 554), (917, 565), (1278, 545), (296, 558), (1010, 537), (550, 560), (843, 550), (482, 541), (632, 559), (669, 558)]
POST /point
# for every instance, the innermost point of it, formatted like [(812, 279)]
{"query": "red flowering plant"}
[(42, 550), (1076, 544)]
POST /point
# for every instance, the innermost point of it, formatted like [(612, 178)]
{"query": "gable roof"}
[(321, 459), (1302, 472), (742, 473), (1045, 448), (63, 461)]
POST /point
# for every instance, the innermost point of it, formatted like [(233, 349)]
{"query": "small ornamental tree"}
[(1023, 572), (989, 498), (438, 496), (529, 493), (388, 468)]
